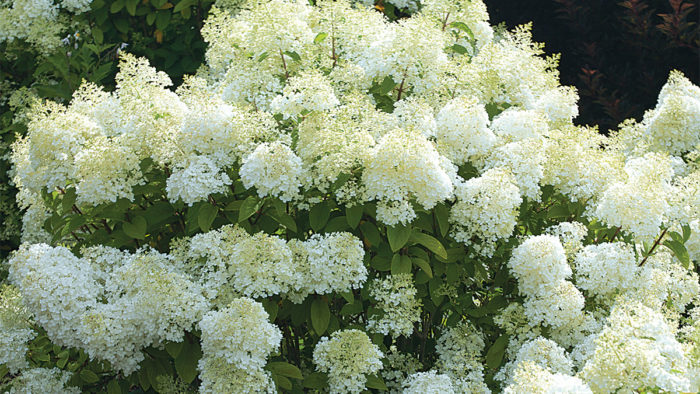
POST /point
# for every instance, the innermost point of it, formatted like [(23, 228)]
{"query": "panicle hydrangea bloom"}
[(196, 180), (543, 352), (43, 380), (403, 166), (111, 309), (530, 377), (57, 288), (309, 90), (261, 265), (555, 305), (273, 169), (240, 334), (639, 204), (396, 297), (571, 235), (15, 323), (486, 208), (218, 376), (332, 262), (429, 383), (398, 367), (662, 282), (638, 348), (332, 143), (525, 160), (605, 268), (459, 351), (539, 263), (559, 104), (515, 124), (462, 131), (577, 166), (414, 113), (347, 356), (672, 126)]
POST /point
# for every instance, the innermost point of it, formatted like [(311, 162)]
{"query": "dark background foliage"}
[(617, 53)]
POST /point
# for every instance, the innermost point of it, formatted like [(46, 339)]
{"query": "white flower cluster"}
[(260, 265), (236, 342), (347, 356), (571, 235), (486, 208), (429, 383), (459, 357), (274, 170), (638, 348), (540, 266), (43, 380), (109, 303), (39, 22), (396, 297), (15, 323), (605, 268)]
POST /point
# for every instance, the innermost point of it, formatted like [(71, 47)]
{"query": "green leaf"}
[(88, 376), (320, 37), (320, 316), (375, 382), (263, 56), (249, 207), (315, 380), (68, 200), (429, 242), (424, 265), (318, 216), (686, 233), (186, 362), (282, 382), (679, 251), (285, 220), (386, 86), (353, 215), (494, 356), (207, 214), (463, 26), (150, 18), (184, 4), (113, 387), (369, 230), (116, 6), (162, 19), (398, 236), (285, 369), (136, 229), (401, 264), (174, 348), (122, 24), (97, 34), (131, 6), (295, 56), (459, 49), (442, 214)]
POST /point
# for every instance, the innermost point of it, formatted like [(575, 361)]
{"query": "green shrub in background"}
[(49, 55)]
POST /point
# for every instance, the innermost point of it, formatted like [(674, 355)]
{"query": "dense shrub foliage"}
[(336, 202)]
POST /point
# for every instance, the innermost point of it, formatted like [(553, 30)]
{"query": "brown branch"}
[(656, 243)]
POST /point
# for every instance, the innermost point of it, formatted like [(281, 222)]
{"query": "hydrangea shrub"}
[(338, 203)]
